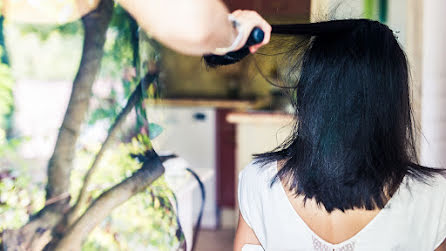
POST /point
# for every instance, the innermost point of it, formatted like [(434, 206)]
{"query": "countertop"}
[(259, 117), (225, 104)]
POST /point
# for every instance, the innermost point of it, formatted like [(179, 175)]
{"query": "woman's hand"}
[(248, 20)]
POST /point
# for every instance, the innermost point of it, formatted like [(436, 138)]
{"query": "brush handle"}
[(255, 37)]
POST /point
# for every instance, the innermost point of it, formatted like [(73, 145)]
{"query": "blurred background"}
[(212, 119)]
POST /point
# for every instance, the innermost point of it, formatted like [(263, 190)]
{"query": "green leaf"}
[(154, 130)]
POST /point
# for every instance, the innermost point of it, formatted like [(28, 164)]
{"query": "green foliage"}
[(120, 44), (376, 9), (6, 97), (154, 130), (54, 59), (118, 52), (118, 62), (19, 195), (6, 83), (108, 108), (147, 221), (44, 31)]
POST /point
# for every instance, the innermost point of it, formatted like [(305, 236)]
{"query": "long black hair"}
[(353, 142)]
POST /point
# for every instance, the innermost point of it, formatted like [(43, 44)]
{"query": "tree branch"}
[(134, 97), (151, 169)]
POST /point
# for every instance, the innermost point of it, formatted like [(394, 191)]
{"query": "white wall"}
[(339, 9), (397, 19), (433, 103), (336, 9)]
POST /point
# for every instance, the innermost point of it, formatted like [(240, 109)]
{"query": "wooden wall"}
[(276, 8), (187, 77)]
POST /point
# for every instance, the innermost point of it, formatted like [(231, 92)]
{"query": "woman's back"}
[(413, 219), (352, 151)]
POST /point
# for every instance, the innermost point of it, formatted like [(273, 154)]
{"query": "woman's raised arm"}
[(194, 27)]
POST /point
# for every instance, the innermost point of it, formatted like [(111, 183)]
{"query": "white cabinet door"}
[(189, 132)]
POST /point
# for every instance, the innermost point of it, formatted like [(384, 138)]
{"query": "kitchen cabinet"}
[(198, 132), (256, 132)]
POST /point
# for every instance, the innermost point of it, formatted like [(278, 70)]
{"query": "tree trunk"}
[(59, 167), (39, 230)]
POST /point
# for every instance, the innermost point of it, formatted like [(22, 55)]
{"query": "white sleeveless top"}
[(414, 219)]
